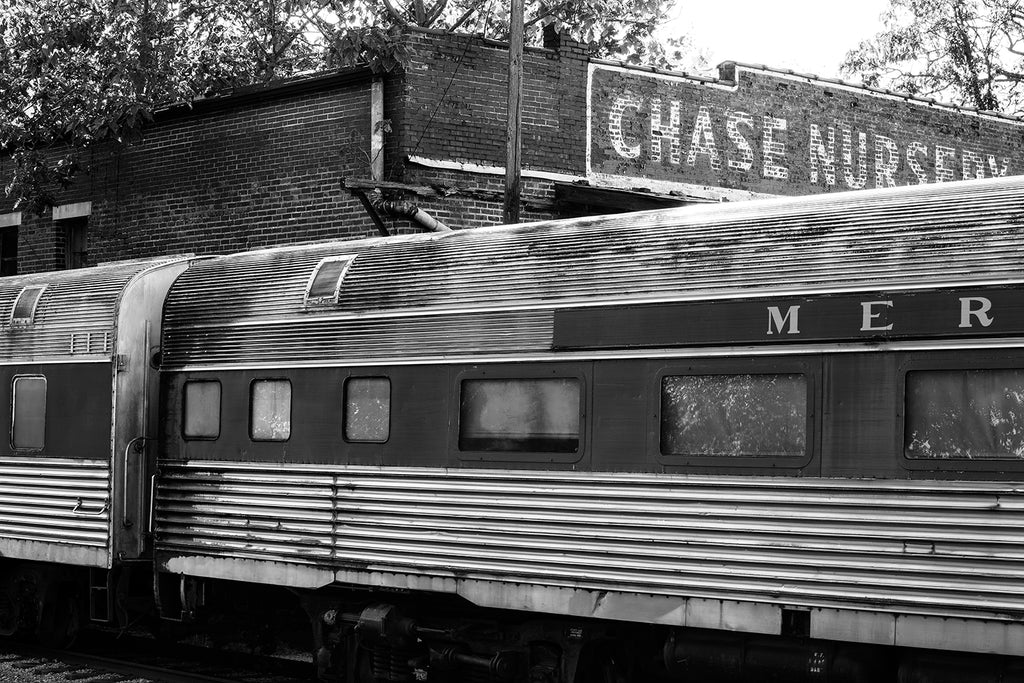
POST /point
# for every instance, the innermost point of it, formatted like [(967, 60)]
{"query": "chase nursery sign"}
[(780, 133)]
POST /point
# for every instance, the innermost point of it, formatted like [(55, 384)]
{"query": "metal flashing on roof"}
[(324, 284), (24, 310)]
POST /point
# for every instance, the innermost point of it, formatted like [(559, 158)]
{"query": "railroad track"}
[(139, 660)]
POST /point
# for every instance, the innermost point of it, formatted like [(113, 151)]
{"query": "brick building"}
[(288, 163)]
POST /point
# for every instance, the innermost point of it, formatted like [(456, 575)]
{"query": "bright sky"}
[(807, 36)]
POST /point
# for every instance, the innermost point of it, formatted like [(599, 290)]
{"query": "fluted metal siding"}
[(946, 548), (971, 231), (38, 499), (75, 315)]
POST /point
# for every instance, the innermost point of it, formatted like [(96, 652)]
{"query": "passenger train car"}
[(775, 440)]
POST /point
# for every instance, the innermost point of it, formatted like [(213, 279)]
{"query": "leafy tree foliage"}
[(964, 51), (77, 73)]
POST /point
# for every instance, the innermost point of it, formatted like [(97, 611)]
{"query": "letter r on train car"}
[(776, 321), (975, 307)]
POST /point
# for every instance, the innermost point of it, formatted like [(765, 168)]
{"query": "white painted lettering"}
[(776, 321), (822, 155), (773, 149), (944, 156), (913, 150), (975, 307), (660, 133), (733, 121), (871, 315), (618, 111), (973, 165), (703, 140), (855, 182), (996, 171), (887, 159)]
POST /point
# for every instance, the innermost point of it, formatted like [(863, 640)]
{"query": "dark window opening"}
[(9, 251), (74, 234), (24, 311), (325, 284), (520, 415)]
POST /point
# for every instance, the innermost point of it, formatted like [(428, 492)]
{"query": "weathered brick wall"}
[(780, 133), (457, 95), (263, 172)]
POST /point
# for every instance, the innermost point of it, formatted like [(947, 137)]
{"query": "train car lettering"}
[(778, 321), (967, 311), (871, 315)]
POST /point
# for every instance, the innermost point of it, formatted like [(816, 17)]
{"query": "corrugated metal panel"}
[(867, 240), (946, 548), (74, 317), (56, 501)]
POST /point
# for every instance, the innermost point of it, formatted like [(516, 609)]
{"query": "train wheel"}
[(60, 619), (603, 662)]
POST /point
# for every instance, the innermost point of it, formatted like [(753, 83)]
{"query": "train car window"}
[(367, 409), (201, 409), (735, 415), (24, 310), (325, 283), (28, 423), (520, 415), (270, 410), (965, 414)]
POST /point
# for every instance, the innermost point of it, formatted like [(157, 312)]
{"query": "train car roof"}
[(67, 315), (493, 290)]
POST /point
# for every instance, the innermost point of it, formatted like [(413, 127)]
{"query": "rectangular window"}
[(74, 232), (270, 414), (29, 413), (201, 410), (9, 251), (965, 414), (763, 415), (520, 415), (368, 409)]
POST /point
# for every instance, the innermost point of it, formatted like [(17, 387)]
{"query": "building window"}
[(520, 415), (270, 410), (28, 422), (734, 415), (9, 251), (368, 409), (964, 415), (74, 233), (201, 410)]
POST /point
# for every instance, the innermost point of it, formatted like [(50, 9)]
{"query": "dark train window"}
[(964, 415), (741, 415), (28, 423), (368, 409), (24, 310), (270, 410), (201, 410), (325, 284), (520, 415)]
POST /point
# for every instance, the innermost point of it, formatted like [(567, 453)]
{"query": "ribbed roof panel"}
[(870, 240)]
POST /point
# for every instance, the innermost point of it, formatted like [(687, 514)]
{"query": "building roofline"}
[(255, 94)]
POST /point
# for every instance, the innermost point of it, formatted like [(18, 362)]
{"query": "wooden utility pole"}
[(513, 140)]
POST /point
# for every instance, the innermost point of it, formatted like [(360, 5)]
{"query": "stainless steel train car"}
[(80, 410), (777, 436), (772, 441)]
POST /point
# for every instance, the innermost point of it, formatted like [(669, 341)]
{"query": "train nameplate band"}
[(868, 317)]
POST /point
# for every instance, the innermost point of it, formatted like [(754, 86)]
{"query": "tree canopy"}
[(76, 73), (968, 52)]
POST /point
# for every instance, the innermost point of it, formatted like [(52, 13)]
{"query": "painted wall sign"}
[(776, 133), (848, 317)]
